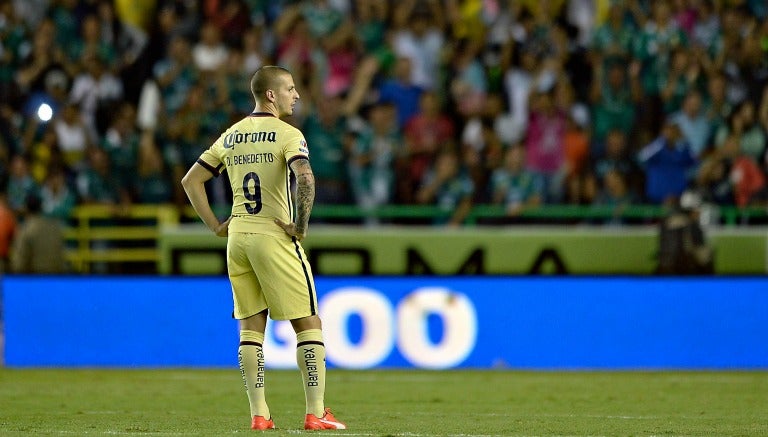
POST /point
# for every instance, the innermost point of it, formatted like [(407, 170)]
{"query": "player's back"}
[(256, 152)]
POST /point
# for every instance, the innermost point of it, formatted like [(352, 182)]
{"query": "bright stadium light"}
[(44, 112)]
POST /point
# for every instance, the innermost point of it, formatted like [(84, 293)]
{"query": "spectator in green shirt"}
[(612, 40), (744, 125), (59, 199), (121, 142), (512, 185), (653, 47), (685, 74), (613, 101), (326, 132), (654, 44), (96, 183), (449, 186), (152, 182), (373, 157)]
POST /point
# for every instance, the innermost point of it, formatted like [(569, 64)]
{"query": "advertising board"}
[(399, 322)]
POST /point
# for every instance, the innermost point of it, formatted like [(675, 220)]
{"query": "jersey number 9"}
[(252, 194)]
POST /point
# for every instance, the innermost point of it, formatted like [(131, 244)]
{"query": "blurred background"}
[(446, 113), (461, 147)]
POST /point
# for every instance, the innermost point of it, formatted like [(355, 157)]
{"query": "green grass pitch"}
[(408, 403)]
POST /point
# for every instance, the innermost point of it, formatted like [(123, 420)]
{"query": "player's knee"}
[(304, 323), (256, 322)]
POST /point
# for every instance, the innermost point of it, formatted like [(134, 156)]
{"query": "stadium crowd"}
[(443, 102)]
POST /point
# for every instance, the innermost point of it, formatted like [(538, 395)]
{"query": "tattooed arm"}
[(305, 193), (305, 197)]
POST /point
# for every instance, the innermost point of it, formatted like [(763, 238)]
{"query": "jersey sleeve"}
[(211, 158), (296, 148)]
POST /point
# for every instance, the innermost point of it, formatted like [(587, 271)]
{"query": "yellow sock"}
[(310, 355), (250, 356)]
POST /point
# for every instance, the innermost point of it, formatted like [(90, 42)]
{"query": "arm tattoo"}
[(305, 192)]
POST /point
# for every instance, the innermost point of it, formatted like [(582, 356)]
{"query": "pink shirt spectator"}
[(425, 135), (341, 70), (545, 152), (686, 19)]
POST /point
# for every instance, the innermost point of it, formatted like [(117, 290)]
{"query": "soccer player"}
[(267, 267)]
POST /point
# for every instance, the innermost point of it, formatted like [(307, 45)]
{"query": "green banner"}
[(193, 250)]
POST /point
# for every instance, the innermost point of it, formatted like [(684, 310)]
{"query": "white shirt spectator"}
[(93, 87), (72, 136), (518, 83), (424, 53), (209, 53)]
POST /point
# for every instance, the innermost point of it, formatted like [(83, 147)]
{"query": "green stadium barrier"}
[(152, 235), (588, 250)]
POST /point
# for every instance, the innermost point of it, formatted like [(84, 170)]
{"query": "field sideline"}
[(408, 403)]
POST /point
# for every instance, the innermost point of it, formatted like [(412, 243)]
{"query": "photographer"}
[(683, 249)]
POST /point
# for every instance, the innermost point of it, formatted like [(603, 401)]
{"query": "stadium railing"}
[(115, 235), (109, 236)]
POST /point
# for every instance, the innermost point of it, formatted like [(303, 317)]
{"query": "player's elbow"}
[(186, 182)]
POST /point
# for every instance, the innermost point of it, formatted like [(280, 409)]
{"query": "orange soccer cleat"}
[(325, 422), (260, 423)]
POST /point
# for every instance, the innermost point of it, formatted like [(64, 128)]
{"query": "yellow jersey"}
[(257, 152)]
